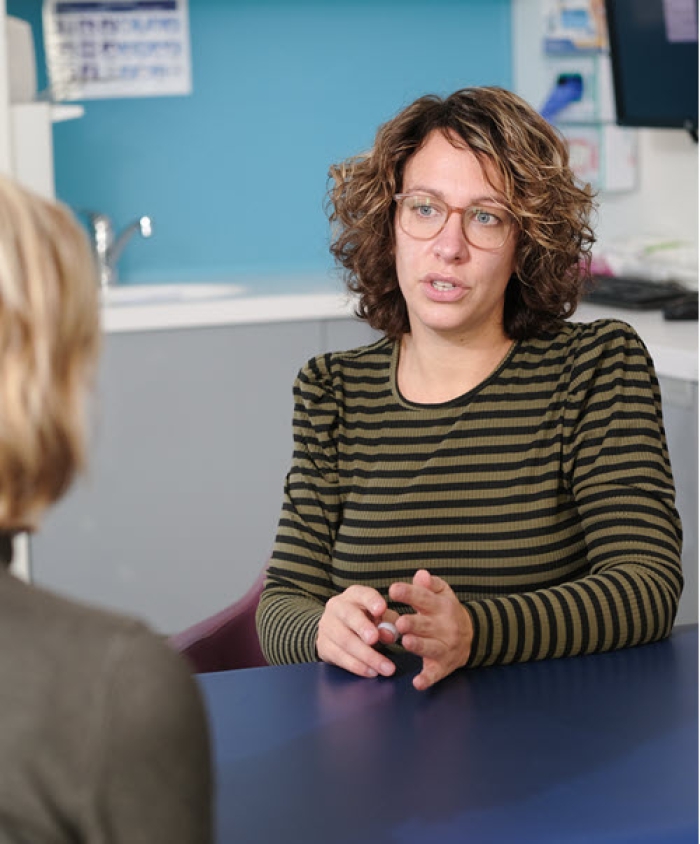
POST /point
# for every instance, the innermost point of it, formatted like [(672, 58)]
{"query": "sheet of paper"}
[(122, 48), (681, 18)]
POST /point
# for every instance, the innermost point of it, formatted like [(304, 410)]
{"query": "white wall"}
[(5, 151), (666, 199)]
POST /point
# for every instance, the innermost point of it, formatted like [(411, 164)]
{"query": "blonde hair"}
[(49, 339)]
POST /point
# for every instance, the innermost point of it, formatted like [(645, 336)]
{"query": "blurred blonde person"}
[(103, 734)]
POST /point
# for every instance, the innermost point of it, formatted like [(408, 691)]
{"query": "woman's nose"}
[(451, 244)]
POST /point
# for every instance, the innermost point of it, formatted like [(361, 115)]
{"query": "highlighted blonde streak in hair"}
[(49, 339)]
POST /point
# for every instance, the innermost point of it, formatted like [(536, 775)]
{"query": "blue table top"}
[(598, 748)]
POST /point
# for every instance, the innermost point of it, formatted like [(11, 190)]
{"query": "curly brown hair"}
[(551, 209)]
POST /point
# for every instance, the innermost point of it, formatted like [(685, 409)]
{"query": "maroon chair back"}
[(226, 640)]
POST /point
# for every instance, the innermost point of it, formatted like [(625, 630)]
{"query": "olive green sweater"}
[(544, 497)]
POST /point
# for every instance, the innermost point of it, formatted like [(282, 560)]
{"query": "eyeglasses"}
[(423, 217)]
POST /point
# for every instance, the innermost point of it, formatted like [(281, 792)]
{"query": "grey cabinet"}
[(192, 438), (680, 403)]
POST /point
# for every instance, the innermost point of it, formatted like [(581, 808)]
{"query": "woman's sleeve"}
[(617, 469), (298, 582), (152, 777)]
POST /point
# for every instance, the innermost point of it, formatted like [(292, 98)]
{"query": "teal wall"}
[(234, 175)]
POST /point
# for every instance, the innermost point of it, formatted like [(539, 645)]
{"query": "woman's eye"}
[(485, 218), (425, 208)]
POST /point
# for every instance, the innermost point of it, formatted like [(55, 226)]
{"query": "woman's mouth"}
[(442, 285), (439, 289)]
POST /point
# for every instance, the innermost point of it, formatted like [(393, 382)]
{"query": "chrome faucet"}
[(108, 248)]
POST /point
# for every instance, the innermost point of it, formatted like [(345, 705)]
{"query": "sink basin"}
[(159, 294)]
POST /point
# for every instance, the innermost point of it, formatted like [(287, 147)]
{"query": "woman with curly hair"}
[(488, 483)]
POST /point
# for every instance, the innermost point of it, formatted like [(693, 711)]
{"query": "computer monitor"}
[(654, 58)]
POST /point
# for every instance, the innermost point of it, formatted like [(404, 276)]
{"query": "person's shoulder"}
[(602, 330), (583, 352), (327, 367), (571, 331), (25, 605), (608, 339), (587, 339), (91, 669), (80, 642)]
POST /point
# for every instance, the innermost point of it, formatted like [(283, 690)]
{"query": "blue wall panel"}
[(234, 175)]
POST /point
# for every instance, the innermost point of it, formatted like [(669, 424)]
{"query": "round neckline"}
[(413, 405)]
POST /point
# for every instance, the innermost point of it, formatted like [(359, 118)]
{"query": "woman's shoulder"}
[(601, 329), (609, 340), (353, 364), (83, 643), (586, 340), (584, 352)]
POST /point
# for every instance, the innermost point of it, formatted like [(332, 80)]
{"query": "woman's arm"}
[(302, 617), (298, 580), (618, 470)]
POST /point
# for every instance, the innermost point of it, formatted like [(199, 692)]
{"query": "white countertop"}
[(237, 310), (672, 345)]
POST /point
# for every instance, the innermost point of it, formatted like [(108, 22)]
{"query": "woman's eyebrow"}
[(479, 200)]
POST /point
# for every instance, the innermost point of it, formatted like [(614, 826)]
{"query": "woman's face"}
[(452, 288)]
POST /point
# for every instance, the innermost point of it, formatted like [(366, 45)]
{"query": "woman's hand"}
[(440, 631), (347, 632)]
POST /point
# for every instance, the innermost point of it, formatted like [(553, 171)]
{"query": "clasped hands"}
[(439, 630)]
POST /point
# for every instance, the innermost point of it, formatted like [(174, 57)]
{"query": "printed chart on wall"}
[(96, 50)]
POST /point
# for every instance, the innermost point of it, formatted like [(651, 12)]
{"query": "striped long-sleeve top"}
[(544, 497)]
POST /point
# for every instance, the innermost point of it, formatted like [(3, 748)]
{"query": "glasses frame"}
[(453, 209)]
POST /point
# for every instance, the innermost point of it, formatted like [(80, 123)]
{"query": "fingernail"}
[(387, 668), (368, 635), (371, 672)]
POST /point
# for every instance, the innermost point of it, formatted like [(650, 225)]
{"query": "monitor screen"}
[(654, 58)]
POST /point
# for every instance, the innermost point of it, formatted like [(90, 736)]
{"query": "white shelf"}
[(61, 112)]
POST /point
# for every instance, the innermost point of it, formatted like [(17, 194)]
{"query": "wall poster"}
[(117, 48), (574, 26)]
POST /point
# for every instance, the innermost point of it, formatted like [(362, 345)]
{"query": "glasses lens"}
[(486, 228), (422, 217)]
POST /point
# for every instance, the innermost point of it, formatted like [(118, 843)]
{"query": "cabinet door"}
[(341, 334), (178, 511), (680, 404)]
